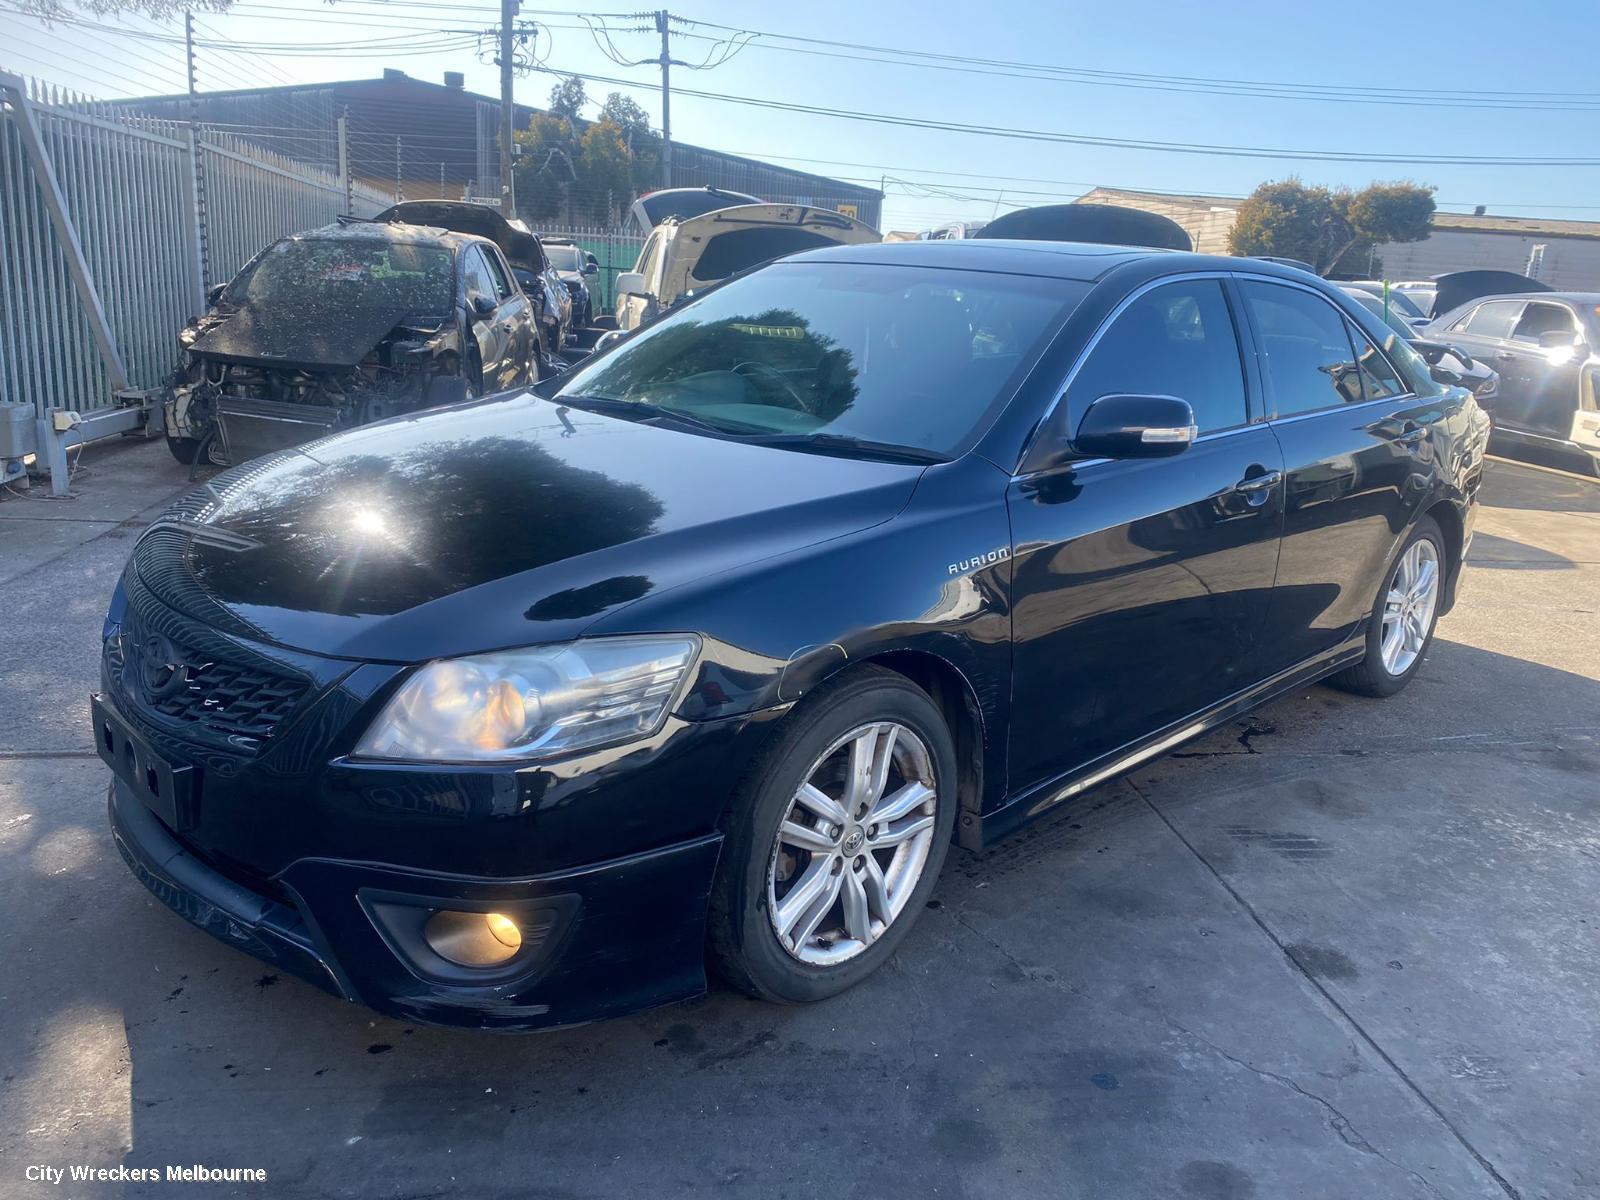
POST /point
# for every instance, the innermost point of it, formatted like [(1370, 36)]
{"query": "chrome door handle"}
[(1259, 483)]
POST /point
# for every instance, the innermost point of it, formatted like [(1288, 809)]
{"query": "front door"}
[(1356, 447), (1140, 585), (1546, 397)]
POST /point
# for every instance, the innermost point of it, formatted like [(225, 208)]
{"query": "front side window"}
[(1305, 350), (497, 272), (1175, 340), (475, 275), (895, 355)]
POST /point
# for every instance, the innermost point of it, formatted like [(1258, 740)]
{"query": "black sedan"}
[(505, 716)]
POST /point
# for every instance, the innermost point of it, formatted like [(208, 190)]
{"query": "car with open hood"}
[(685, 255), (341, 326), (520, 713)]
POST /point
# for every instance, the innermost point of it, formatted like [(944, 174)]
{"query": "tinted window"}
[(563, 258), (497, 272), (1538, 319), (1378, 378), (881, 353), (1305, 351), (476, 275), (1175, 340), (1491, 320)]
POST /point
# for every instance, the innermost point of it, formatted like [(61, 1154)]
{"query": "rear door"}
[(1141, 585), (1355, 446), (1485, 333), (1547, 398)]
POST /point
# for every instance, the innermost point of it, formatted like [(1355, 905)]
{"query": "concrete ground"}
[(1343, 948)]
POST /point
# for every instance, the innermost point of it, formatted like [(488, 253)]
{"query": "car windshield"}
[(1406, 305), (348, 276), (901, 356), (564, 258)]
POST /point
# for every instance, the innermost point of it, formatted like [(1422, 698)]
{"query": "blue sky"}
[(1469, 45)]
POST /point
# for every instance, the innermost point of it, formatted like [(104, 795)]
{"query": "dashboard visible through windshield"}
[(902, 356)]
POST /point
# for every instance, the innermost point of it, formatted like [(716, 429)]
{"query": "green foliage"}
[(585, 170), (1318, 225), (567, 99)]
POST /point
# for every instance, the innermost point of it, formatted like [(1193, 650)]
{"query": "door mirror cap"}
[(631, 283), (214, 293), (590, 267), (481, 305), (1133, 426), (1443, 374)]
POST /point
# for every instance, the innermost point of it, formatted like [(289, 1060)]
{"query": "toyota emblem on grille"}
[(160, 670)]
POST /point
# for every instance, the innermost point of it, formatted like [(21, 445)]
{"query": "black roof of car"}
[(1082, 261)]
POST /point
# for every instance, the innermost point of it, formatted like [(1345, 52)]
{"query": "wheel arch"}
[(1448, 517), (956, 698)]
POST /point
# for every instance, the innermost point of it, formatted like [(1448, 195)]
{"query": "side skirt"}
[(1036, 801)]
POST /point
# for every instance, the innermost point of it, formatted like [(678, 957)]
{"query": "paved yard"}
[(1342, 948)]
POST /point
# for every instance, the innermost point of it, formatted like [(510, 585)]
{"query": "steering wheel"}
[(773, 373)]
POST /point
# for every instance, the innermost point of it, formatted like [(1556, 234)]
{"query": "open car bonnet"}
[(1105, 224), (712, 247), (519, 246)]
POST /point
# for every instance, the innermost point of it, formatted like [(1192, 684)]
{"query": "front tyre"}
[(1403, 617), (836, 840)]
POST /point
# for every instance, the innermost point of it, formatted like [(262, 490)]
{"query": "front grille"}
[(176, 680)]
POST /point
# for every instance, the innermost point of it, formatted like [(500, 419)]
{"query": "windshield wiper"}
[(829, 443), (643, 411)]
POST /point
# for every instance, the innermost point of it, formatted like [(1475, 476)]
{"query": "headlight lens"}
[(533, 703)]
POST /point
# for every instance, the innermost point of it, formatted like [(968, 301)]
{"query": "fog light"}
[(473, 939)]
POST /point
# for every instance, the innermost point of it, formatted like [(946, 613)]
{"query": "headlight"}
[(533, 703)]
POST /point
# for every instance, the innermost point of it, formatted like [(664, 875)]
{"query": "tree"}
[(605, 180), (546, 165), (642, 143), (567, 99), (158, 9), (1318, 225)]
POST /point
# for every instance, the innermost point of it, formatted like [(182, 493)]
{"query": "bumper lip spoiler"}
[(226, 910)]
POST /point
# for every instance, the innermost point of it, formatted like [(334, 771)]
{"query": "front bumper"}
[(625, 934)]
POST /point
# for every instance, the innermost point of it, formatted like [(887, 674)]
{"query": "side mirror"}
[(481, 305), (1443, 374), (590, 266), (1554, 338), (1128, 426), (214, 293), (631, 283)]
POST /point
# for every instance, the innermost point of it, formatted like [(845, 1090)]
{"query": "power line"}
[(1048, 136)]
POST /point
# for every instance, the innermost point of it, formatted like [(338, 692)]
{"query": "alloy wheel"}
[(852, 844), (1408, 606)]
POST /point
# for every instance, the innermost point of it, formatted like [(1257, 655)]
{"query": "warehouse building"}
[(1563, 254), (427, 140)]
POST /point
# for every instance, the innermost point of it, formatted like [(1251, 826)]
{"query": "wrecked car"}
[(530, 266), (341, 326), (684, 255)]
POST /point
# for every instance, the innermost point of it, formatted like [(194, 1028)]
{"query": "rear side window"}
[(1305, 349), (1175, 340), (1491, 320), (1539, 319), (1378, 377)]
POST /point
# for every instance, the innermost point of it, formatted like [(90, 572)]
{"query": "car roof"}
[(1578, 298), (1084, 261), (396, 232)]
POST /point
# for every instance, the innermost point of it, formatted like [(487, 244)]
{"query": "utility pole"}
[(197, 167), (508, 123), (666, 100), (399, 173)]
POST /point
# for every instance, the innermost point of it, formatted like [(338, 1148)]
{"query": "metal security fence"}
[(101, 237), (616, 250)]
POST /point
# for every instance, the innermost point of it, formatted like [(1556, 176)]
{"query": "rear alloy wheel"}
[(835, 843), (1403, 617)]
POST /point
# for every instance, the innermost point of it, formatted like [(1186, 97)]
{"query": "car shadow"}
[(1508, 554)]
